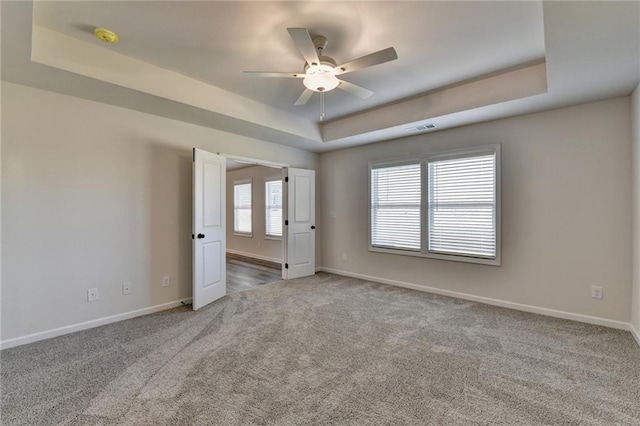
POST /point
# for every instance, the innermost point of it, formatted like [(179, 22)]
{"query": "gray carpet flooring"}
[(328, 350)]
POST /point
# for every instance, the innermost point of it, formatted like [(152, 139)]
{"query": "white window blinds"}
[(462, 206), (395, 207), (242, 208), (273, 200)]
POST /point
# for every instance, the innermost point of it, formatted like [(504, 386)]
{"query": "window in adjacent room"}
[(242, 207), (444, 206), (273, 208)]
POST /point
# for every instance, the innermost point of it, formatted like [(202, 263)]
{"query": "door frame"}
[(275, 165)]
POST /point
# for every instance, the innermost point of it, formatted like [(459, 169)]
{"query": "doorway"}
[(255, 203), (209, 233)]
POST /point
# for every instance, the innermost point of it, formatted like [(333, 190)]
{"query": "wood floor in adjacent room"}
[(246, 272)]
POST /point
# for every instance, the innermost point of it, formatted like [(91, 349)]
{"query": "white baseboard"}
[(30, 338), (635, 333), (255, 256), (495, 302)]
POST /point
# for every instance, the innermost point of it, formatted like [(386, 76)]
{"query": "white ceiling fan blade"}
[(379, 57), (273, 74), (304, 98), (303, 42), (354, 89)]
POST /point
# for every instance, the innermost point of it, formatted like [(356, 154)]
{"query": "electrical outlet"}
[(166, 281), (344, 256), (596, 292), (92, 294), (126, 288)]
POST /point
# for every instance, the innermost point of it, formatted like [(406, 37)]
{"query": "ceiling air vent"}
[(421, 128)]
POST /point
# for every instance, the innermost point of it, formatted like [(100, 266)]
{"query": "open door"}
[(209, 222), (300, 224)]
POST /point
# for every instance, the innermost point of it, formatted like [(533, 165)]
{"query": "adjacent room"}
[(254, 254), (320, 212)]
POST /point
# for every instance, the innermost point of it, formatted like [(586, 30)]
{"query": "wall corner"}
[(635, 141)]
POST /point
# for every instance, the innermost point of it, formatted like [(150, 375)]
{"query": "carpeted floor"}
[(328, 350)]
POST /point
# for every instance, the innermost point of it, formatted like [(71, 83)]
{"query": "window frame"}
[(394, 163), (236, 183), (266, 207), (424, 160)]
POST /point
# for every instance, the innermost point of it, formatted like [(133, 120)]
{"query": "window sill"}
[(272, 237), (449, 257), (243, 234)]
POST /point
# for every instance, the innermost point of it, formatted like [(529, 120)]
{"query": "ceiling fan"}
[(321, 72)]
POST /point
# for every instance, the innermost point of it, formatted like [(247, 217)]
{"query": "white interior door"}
[(300, 223), (209, 223)]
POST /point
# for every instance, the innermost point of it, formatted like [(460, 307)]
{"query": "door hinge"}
[(286, 266), (286, 223), (192, 236), (193, 154), (286, 178)]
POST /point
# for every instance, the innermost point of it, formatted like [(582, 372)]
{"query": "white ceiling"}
[(439, 44), (589, 51)]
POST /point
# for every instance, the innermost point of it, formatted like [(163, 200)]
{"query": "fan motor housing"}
[(324, 60)]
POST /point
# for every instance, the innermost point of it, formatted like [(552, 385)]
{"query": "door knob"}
[(313, 227), (200, 236)]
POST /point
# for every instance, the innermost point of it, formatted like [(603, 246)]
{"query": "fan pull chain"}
[(321, 93)]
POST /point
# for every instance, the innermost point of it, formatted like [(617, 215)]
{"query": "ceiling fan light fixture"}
[(321, 82), (320, 78), (321, 72)]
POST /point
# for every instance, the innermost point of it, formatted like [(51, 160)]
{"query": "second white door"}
[(300, 223)]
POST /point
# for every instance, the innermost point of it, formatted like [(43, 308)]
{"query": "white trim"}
[(42, 335), (635, 333), (255, 161), (431, 255), (255, 256), (243, 234), (244, 182), (495, 302)]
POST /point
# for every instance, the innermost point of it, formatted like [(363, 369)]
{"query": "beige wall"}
[(566, 210), (635, 120), (95, 195), (257, 244)]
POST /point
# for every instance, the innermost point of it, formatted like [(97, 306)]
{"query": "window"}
[(462, 206), (273, 208), (444, 206), (395, 206), (242, 207)]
